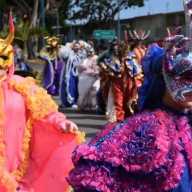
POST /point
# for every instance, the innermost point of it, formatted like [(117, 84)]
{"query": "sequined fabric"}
[(141, 154)]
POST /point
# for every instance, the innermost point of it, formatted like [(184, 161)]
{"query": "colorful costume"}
[(89, 82), (35, 155), (21, 67), (141, 154), (139, 49), (52, 74), (139, 53), (119, 79), (150, 151), (69, 94)]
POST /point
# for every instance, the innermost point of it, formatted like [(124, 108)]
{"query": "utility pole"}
[(42, 14), (58, 24), (119, 22), (188, 19), (42, 22)]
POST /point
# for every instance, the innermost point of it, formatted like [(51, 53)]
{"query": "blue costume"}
[(69, 94)]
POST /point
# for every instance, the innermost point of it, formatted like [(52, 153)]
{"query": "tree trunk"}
[(34, 19), (1, 19)]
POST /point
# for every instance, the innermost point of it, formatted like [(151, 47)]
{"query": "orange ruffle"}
[(38, 102)]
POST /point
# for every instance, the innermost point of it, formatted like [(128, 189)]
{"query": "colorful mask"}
[(177, 68), (178, 78), (52, 41), (6, 49)]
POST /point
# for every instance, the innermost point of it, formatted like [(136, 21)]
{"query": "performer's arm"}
[(60, 121)]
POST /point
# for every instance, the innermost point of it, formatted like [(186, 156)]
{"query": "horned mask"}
[(6, 49)]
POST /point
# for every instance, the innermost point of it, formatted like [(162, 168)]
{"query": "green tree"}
[(99, 11)]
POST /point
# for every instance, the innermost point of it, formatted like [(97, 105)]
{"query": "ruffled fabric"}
[(141, 154), (38, 102), (41, 108)]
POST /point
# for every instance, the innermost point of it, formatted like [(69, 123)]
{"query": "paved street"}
[(90, 123)]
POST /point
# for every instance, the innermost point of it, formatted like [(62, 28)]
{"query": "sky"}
[(153, 7)]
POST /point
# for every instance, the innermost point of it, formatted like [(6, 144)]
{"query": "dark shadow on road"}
[(87, 117), (70, 110), (88, 126), (90, 135)]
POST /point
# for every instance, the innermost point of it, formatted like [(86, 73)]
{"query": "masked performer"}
[(36, 140), (118, 73), (52, 77), (69, 94), (21, 67), (137, 46), (151, 151), (89, 82)]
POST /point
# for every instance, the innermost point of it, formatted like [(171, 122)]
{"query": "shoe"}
[(74, 106)]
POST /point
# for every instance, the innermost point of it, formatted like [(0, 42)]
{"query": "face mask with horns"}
[(177, 66), (6, 49), (140, 35)]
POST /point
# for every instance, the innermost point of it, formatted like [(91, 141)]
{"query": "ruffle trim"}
[(122, 132), (119, 145), (38, 102), (185, 134), (80, 137)]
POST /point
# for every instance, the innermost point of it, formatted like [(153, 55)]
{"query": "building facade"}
[(156, 16)]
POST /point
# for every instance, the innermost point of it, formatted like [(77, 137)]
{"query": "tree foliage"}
[(102, 10), (90, 10)]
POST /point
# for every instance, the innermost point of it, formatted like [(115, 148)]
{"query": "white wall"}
[(153, 7)]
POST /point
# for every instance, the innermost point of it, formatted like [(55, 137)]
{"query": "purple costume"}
[(52, 75), (142, 154), (149, 152)]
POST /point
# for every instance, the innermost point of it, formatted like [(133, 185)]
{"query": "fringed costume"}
[(119, 80)]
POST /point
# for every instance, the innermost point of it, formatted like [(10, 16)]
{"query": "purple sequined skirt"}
[(141, 154)]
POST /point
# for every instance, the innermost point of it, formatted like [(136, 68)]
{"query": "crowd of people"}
[(105, 81)]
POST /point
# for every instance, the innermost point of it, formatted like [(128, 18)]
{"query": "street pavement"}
[(90, 123)]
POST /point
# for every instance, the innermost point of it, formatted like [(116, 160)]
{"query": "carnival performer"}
[(89, 82), (137, 45), (36, 141), (52, 77), (150, 151), (21, 67), (69, 94), (118, 73)]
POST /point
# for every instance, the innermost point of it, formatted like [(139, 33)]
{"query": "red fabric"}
[(122, 94), (11, 24), (50, 159), (140, 53), (124, 89)]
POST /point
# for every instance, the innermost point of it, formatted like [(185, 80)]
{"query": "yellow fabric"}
[(80, 137), (6, 55)]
